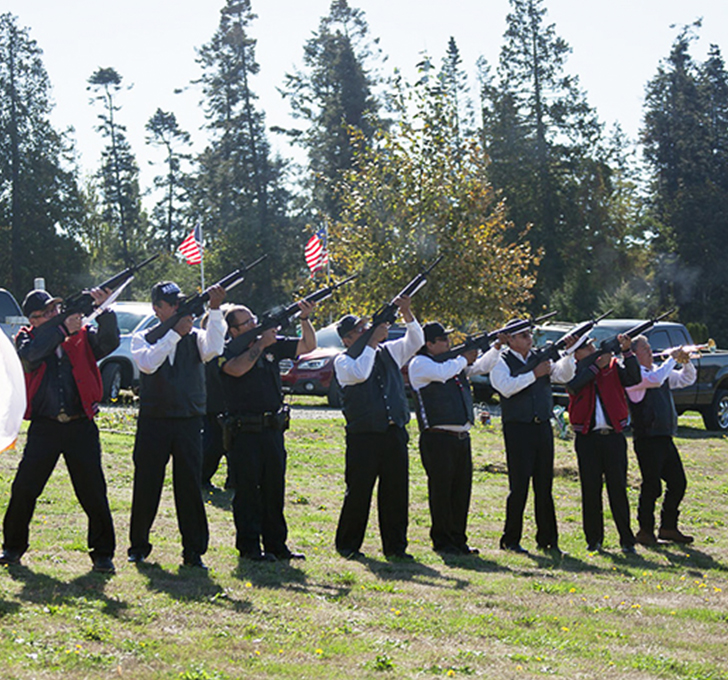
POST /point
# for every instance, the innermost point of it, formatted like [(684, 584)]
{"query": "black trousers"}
[(603, 457), (213, 450), (78, 441), (530, 456), (371, 456), (258, 463), (156, 440), (447, 460), (659, 460)]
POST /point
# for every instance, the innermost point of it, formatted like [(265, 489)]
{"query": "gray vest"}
[(448, 403), (655, 415), (175, 390), (536, 401), (379, 401)]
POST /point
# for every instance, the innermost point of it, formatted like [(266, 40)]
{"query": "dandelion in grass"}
[(248, 584), (319, 651), (636, 606), (572, 590)]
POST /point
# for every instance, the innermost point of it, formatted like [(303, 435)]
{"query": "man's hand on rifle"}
[(100, 295), (73, 323), (544, 368), (404, 302), (625, 342), (268, 338), (569, 341), (379, 335), (306, 308), (471, 355), (217, 295), (184, 325)]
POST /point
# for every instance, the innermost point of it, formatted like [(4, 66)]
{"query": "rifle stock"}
[(388, 312), (282, 318), (194, 305), (482, 341), (552, 351), (83, 303)]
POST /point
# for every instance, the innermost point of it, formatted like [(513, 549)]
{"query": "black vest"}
[(175, 390), (535, 401), (379, 401), (448, 403), (655, 415)]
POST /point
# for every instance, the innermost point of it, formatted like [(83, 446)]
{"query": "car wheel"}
[(335, 396), (111, 379), (715, 416)]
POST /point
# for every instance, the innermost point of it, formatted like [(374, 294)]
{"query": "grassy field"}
[(660, 614)]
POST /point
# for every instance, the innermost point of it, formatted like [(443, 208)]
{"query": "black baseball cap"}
[(38, 300), (346, 324), (168, 291), (435, 330)]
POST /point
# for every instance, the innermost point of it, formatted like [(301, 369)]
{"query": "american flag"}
[(317, 257), (192, 247)]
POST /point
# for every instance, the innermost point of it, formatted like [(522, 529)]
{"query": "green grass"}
[(661, 614)]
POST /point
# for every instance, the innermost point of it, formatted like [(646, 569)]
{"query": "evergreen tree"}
[(334, 94), (549, 160), (39, 200), (238, 187), (686, 109), (416, 194), (119, 172), (165, 132)]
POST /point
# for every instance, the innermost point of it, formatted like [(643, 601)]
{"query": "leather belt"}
[(460, 435), (63, 417), (604, 430)]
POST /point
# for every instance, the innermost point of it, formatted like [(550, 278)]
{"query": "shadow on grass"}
[(677, 555), (188, 584), (281, 574), (686, 432), (40, 588), (221, 498)]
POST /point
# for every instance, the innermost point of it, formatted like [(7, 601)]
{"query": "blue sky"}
[(617, 46)]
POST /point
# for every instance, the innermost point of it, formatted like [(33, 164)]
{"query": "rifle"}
[(281, 318), (482, 341), (83, 303), (551, 352), (612, 344), (194, 305), (388, 313)]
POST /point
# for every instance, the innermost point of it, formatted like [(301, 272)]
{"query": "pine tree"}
[(39, 199), (165, 132), (237, 190), (119, 172), (547, 155), (333, 94)]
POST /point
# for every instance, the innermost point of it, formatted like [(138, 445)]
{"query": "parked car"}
[(313, 372), (11, 316), (118, 369)]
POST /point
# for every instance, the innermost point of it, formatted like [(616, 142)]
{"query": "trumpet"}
[(688, 351)]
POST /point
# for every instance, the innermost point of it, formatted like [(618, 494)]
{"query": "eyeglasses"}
[(524, 334), (251, 320), (45, 314)]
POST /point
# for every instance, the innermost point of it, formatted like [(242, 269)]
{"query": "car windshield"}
[(328, 337), (128, 320)]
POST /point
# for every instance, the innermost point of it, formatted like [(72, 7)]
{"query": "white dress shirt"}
[(507, 385), (210, 343), (654, 377), (351, 371)]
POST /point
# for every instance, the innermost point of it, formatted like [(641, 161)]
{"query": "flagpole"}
[(202, 259)]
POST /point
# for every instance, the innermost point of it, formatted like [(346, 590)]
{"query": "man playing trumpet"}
[(654, 422)]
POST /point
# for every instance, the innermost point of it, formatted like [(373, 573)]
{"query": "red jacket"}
[(85, 373), (611, 394)]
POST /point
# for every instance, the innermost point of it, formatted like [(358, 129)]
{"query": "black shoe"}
[(629, 549), (594, 547), (400, 557), (136, 558), (194, 561), (103, 565), (514, 547), (10, 557), (288, 555), (467, 550), (351, 554), (259, 557), (552, 550)]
